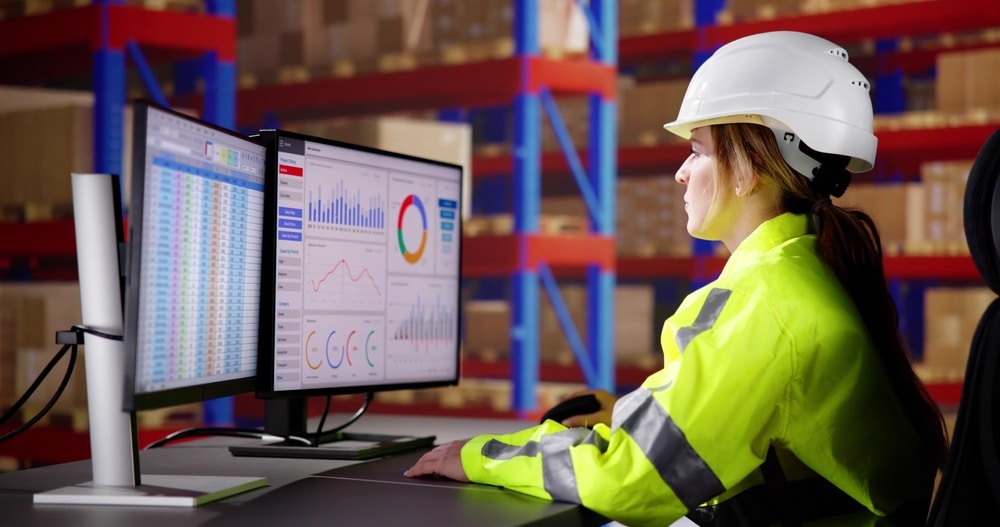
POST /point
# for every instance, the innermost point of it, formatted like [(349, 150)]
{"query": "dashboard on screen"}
[(362, 269)]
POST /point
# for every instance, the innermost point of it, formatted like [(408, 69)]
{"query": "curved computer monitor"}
[(362, 273), (195, 229)]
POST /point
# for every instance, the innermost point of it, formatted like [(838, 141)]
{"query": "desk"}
[(301, 492)]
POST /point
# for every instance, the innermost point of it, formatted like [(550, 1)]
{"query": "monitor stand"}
[(114, 447), (287, 417)]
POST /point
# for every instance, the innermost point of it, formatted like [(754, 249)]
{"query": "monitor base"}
[(344, 446), (155, 490)]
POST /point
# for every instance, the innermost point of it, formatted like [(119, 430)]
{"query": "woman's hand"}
[(443, 460), (607, 401)]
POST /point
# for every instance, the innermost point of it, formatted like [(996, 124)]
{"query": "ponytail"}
[(849, 243)]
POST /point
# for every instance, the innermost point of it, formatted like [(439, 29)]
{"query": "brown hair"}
[(849, 243)]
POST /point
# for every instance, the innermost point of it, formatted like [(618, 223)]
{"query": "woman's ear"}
[(747, 184)]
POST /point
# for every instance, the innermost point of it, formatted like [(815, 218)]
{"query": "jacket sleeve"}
[(693, 430)]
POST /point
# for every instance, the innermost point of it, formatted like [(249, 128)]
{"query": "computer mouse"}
[(577, 405)]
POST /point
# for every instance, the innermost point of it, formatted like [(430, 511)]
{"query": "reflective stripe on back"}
[(706, 318)]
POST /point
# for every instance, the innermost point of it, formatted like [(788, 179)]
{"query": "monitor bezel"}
[(265, 353), (174, 396)]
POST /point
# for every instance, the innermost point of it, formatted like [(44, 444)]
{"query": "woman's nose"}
[(681, 176)]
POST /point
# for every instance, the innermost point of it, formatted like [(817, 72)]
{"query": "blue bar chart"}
[(345, 207)]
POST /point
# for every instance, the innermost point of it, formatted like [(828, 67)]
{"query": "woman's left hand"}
[(443, 460)]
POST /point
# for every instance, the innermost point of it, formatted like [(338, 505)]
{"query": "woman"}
[(786, 395)]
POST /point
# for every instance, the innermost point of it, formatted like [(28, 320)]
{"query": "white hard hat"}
[(799, 85)]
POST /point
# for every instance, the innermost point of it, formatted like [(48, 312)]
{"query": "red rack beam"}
[(502, 255), (666, 266), (60, 43), (895, 151), (39, 239), (949, 142), (886, 21), (664, 158), (844, 27), (462, 85), (960, 268)]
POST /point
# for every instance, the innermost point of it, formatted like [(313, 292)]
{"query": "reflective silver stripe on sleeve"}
[(664, 444), (706, 318), (558, 477)]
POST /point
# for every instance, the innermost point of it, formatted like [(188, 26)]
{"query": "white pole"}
[(112, 447)]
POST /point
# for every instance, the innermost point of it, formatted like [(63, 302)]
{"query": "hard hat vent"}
[(840, 53)]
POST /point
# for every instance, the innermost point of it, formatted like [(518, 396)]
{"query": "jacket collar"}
[(767, 236)]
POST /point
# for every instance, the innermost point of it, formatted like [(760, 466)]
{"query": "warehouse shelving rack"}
[(95, 40), (528, 81), (521, 78)]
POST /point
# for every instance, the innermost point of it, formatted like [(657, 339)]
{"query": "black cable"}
[(52, 401), (96, 333), (320, 433), (34, 386), (70, 340), (322, 421), (221, 431)]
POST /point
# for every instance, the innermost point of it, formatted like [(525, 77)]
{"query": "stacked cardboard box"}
[(51, 135), (966, 82), (651, 217), (645, 107), (437, 140), (917, 218), (642, 17), (895, 208), (32, 313), (943, 230), (487, 326), (296, 40), (950, 318)]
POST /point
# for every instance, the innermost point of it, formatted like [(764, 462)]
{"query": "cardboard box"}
[(951, 315), (440, 141), (36, 311)]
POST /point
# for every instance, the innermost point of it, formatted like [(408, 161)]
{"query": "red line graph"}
[(316, 285)]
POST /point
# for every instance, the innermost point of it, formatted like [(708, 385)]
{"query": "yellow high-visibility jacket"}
[(773, 352)]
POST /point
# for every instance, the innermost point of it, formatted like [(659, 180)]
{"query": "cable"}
[(320, 433), (34, 386), (322, 421), (52, 401), (95, 332), (221, 431), (70, 340)]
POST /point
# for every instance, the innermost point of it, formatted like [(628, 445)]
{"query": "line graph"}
[(363, 274), (344, 276)]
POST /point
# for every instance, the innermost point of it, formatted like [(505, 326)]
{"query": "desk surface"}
[(301, 492)]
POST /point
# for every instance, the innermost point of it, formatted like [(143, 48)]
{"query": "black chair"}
[(969, 490)]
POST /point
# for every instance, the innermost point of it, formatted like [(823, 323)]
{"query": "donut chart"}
[(412, 256)]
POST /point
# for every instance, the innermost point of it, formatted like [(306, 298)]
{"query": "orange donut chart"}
[(308, 362)]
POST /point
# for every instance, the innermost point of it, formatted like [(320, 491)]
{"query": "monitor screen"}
[(362, 270), (194, 260)]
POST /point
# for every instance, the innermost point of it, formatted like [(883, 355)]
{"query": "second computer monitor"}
[(362, 269)]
